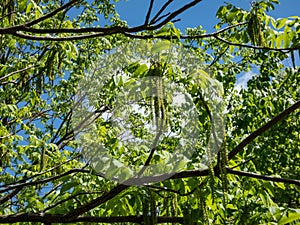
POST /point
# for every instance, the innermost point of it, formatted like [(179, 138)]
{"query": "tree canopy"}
[(226, 155)]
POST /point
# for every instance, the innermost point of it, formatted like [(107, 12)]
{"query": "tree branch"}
[(26, 184), (49, 38), (25, 26), (67, 199), (121, 187), (149, 12), (262, 129), (74, 216), (96, 202), (41, 173), (263, 177), (10, 195), (116, 31), (214, 33), (254, 46), (104, 31), (98, 30), (18, 71), (93, 32), (176, 13), (162, 188), (155, 18)]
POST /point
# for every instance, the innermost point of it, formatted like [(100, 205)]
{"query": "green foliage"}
[(43, 171)]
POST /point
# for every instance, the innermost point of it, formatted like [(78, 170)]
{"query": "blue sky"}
[(133, 11)]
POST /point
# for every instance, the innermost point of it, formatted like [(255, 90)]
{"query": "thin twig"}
[(41, 173), (149, 12), (36, 21), (263, 177), (46, 180), (254, 46), (155, 19), (15, 72)]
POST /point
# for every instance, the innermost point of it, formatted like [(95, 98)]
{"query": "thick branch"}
[(97, 31), (119, 188), (74, 216), (49, 38), (262, 129)]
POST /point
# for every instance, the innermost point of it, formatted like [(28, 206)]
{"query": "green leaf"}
[(160, 46), (179, 165), (141, 70), (279, 41), (22, 5), (162, 32), (281, 23), (67, 186), (131, 68), (29, 7), (231, 206), (286, 37), (291, 217), (280, 185)]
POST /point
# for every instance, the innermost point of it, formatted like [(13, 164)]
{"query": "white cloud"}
[(242, 80)]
